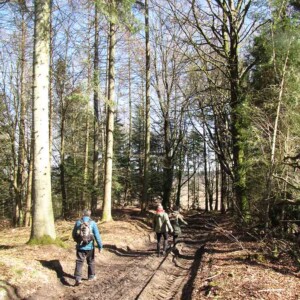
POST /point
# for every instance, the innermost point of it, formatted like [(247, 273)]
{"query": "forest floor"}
[(212, 259)]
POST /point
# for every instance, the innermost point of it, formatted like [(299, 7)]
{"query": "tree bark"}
[(43, 219), (27, 220), (107, 201), (217, 175), (145, 195), (50, 87), (21, 150), (95, 191), (179, 176), (236, 103), (129, 150), (223, 190), (62, 159), (206, 179)]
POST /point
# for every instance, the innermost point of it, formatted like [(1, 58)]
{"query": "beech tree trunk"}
[(43, 219)]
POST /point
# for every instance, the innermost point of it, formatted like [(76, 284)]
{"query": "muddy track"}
[(124, 274)]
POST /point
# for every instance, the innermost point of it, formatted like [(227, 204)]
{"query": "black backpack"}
[(84, 233)]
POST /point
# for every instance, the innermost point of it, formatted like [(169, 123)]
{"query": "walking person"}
[(162, 226), (176, 220), (85, 231)]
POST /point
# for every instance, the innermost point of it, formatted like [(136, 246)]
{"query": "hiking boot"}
[(78, 282), (91, 278)]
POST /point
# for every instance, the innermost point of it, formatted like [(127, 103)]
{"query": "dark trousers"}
[(175, 236), (158, 236), (81, 255)]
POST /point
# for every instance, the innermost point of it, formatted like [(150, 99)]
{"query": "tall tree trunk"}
[(95, 191), (27, 220), (274, 139), (83, 202), (168, 181), (145, 195), (62, 159), (210, 188), (188, 183), (194, 186), (238, 149), (107, 201), (128, 170), (83, 197), (103, 120), (50, 87), (21, 151), (61, 75), (237, 125), (223, 190), (43, 219), (206, 179), (141, 144), (217, 184), (168, 166), (179, 176)]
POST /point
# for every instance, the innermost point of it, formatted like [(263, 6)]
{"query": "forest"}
[(118, 105), (190, 103)]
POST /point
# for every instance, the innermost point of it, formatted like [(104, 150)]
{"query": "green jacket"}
[(176, 220), (161, 223)]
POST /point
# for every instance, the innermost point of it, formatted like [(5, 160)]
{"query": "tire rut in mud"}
[(174, 277)]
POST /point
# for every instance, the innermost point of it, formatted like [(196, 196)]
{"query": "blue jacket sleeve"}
[(97, 235)]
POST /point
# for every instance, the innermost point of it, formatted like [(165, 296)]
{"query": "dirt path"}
[(174, 277), (142, 275), (212, 259)]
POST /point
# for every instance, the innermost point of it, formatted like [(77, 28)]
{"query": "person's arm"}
[(182, 220), (168, 223), (97, 236), (74, 231)]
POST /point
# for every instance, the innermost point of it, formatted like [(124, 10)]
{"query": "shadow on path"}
[(128, 253), (55, 265), (189, 286), (5, 247)]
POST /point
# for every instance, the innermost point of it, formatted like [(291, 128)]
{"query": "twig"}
[(271, 290), (228, 234), (211, 277)]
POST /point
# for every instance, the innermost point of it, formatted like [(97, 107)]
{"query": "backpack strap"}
[(82, 221)]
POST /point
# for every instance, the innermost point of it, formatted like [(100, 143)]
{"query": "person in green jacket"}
[(176, 220), (161, 226)]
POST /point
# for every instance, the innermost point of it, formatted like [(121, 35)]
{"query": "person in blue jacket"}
[(86, 250)]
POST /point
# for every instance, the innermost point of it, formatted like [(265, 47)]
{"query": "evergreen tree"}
[(274, 121)]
